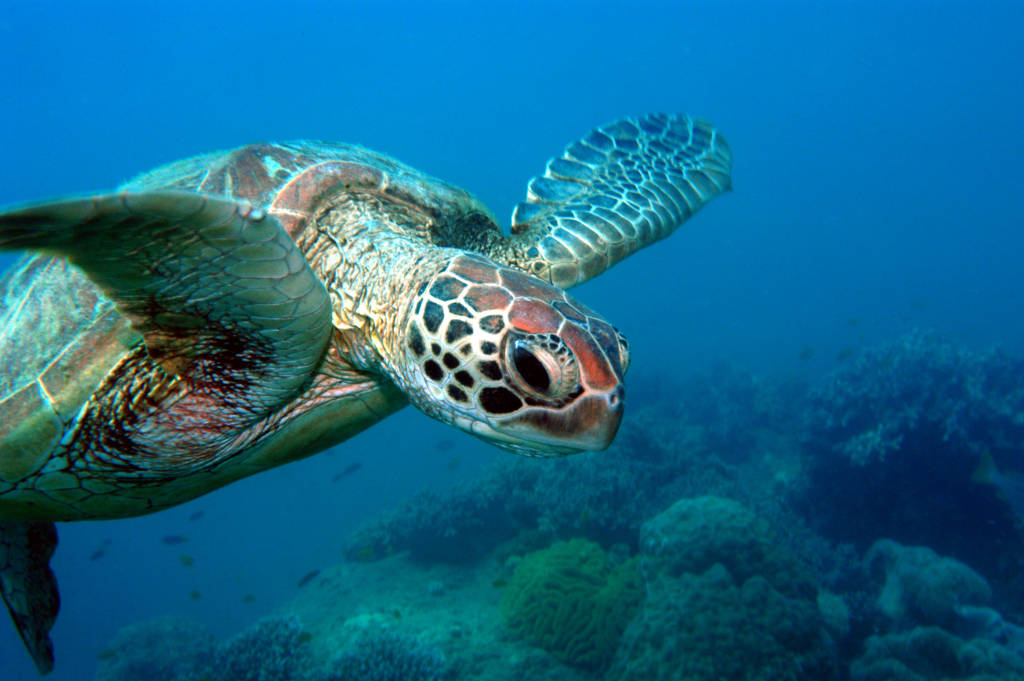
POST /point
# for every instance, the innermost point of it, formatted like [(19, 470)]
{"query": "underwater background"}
[(813, 355)]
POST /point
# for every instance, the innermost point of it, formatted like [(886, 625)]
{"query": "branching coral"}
[(272, 649), (892, 440), (386, 656)]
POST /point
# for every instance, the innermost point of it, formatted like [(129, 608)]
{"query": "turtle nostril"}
[(615, 397)]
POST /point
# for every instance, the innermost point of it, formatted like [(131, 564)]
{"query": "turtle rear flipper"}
[(28, 585), (620, 188)]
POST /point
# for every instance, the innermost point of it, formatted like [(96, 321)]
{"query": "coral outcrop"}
[(708, 627), (162, 649), (933, 654), (723, 602), (919, 587), (694, 534)]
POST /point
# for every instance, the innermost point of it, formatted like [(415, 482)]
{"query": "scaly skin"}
[(362, 250)]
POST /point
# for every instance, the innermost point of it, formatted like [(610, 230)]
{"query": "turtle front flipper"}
[(220, 293), (28, 585), (620, 188)]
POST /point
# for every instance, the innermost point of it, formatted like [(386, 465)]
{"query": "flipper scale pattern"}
[(620, 188)]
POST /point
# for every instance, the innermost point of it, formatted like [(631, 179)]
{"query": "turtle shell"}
[(67, 335), (293, 181)]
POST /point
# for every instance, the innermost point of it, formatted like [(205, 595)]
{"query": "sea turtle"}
[(238, 310)]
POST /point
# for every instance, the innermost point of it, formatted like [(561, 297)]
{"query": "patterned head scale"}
[(514, 360)]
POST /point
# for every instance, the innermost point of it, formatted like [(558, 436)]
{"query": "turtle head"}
[(514, 360)]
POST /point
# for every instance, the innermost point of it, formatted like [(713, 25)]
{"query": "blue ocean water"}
[(877, 190)]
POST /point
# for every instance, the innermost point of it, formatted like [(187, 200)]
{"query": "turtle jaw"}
[(589, 425)]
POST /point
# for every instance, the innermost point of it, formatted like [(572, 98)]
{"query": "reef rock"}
[(933, 654), (922, 588)]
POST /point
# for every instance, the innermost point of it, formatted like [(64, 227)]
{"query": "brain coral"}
[(570, 601)]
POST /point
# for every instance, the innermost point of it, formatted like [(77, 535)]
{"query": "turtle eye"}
[(541, 366), (530, 369)]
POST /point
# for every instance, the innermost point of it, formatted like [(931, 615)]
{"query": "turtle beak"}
[(595, 419), (589, 424)]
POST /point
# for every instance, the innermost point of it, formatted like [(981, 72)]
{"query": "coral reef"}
[(381, 655), (569, 600), (694, 534), (723, 537), (701, 622), (163, 649), (683, 437), (732, 405), (271, 649), (706, 627), (892, 439), (933, 654), (980, 622), (604, 497), (919, 389), (922, 588), (457, 526)]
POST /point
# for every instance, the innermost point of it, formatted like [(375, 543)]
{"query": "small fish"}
[(453, 463), (365, 554), (197, 515), (174, 539), (97, 554), (396, 614), (806, 352), (349, 470), (844, 354), (308, 577), (249, 598), (1009, 486), (106, 654), (853, 321), (305, 637), (186, 560), (500, 583), (444, 445), (194, 595)]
